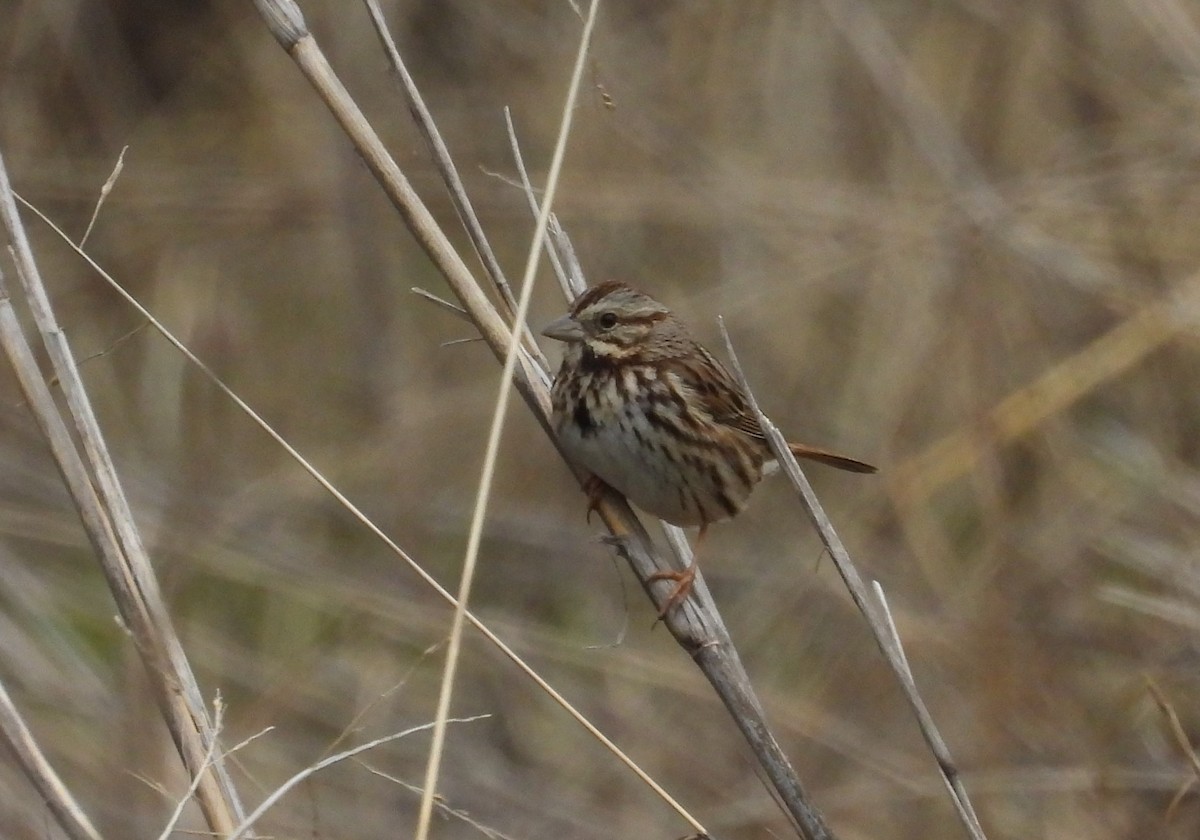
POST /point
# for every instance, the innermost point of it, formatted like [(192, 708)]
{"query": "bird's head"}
[(614, 322)]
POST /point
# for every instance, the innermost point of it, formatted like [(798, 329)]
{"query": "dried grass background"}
[(1041, 565)]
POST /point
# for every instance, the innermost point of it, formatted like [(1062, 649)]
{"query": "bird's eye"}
[(608, 320)]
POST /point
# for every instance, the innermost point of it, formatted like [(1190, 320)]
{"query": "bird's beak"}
[(565, 328)]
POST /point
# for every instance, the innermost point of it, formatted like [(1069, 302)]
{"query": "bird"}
[(651, 413)]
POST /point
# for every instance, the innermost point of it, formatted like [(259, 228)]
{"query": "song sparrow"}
[(648, 411)]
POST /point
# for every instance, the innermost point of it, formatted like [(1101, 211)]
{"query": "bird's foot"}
[(683, 588), (595, 488)]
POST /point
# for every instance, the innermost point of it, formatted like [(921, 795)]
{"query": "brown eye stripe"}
[(647, 318), (622, 336)]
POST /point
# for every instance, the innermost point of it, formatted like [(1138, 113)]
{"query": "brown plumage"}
[(650, 412)]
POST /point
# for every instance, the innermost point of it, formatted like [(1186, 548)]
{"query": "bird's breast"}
[(628, 428)]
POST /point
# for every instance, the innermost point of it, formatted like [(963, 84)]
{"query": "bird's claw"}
[(683, 588), (618, 541), (595, 488)]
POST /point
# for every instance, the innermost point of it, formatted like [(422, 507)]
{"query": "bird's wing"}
[(718, 393), (725, 402)]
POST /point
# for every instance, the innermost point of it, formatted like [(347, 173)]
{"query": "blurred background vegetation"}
[(1036, 419)]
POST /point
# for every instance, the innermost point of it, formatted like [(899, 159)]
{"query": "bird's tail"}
[(832, 459)]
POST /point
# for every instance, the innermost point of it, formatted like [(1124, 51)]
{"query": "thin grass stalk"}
[(719, 662), (177, 814), (1052, 392), (488, 471), (638, 539), (242, 830), (696, 625), (879, 621), (441, 154), (937, 745), (572, 285), (96, 491), (70, 817)]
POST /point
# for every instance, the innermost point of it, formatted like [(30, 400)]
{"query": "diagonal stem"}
[(493, 443), (878, 620)]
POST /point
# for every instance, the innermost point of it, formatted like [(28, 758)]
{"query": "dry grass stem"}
[(242, 830), (217, 724), (441, 154), (66, 811), (717, 657), (104, 191), (96, 491), (917, 478), (960, 238), (442, 302), (499, 413), (352, 727), (286, 23), (937, 745), (1178, 733), (571, 283), (879, 621), (438, 802), (556, 696), (697, 625)]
